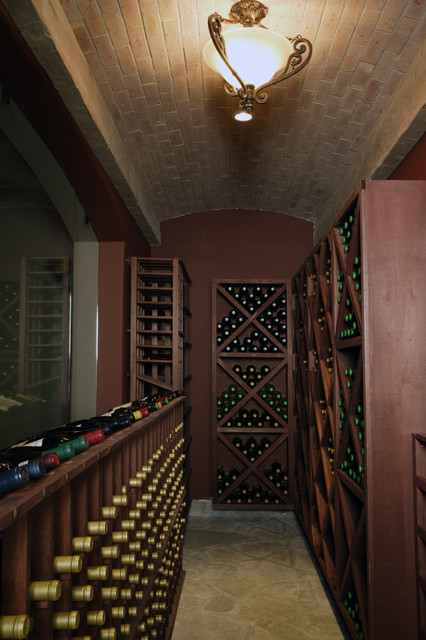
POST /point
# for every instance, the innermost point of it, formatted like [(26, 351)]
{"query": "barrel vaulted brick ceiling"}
[(132, 75)]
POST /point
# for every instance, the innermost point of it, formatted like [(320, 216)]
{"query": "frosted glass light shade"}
[(256, 55)]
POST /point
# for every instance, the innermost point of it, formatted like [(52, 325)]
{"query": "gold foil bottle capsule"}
[(67, 564), (139, 595), (128, 525), (126, 594), (140, 504), (109, 634), (97, 573), (132, 612), (110, 552), (128, 558), (49, 590), (147, 524), (120, 536), (82, 638), (140, 535), (147, 497), (120, 500), (134, 514), (142, 626), (82, 593), (140, 564), (118, 612), (125, 629), (110, 593), (119, 574), (82, 544), (66, 620), (14, 626), (135, 482), (135, 545), (150, 567), (96, 618), (109, 513), (96, 528), (144, 581), (134, 578), (141, 475)]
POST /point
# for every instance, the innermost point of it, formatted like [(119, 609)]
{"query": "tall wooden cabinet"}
[(358, 311), (159, 326), (251, 410)]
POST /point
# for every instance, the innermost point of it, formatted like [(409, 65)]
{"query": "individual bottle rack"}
[(9, 334), (44, 331), (106, 560), (251, 412), (159, 326), (354, 322)]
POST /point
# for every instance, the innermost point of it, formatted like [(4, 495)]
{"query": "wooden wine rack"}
[(358, 393), (419, 462), (44, 331), (159, 327), (125, 497), (252, 356)]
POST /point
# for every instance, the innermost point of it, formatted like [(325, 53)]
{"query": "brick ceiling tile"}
[(146, 70), (157, 113), (105, 51), (194, 74), (294, 86), (124, 101), (362, 74), (407, 56), (133, 84), (332, 107), (197, 117), (83, 38), (352, 57), (365, 27), (415, 9), (323, 92), (385, 65), (160, 59), (390, 15), (168, 9), (132, 122), (131, 13), (350, 98), (115, 78), (172, 35), (331, 68), (391, 83), (341, 83), (168, 102), (316, 112), (377, 107), (116, 29), (376, 5), (420, 31), (352, 12), (306, 99), (401, 35), (177, 65), (372, 89), (126, 60), (152, 94), (326, 124), (93, 17), (107, 6), (96, 68), (376, 46), (196, 98), (341, 40), (141, 107), (138, 41), (350, 131), (151, 20), (360, 112), (71, 10)]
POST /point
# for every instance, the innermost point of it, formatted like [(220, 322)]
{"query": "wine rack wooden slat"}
[(250, 404), (126, 496), (356, 330)]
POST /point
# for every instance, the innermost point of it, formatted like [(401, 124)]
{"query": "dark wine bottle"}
[(12, 479)]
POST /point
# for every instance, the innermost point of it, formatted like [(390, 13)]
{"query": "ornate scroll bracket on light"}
[(250, 14)]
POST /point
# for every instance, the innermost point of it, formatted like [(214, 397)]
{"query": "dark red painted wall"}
[(413, 167), (228, 245)]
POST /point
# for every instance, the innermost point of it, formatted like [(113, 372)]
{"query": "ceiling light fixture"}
[(252, 57)]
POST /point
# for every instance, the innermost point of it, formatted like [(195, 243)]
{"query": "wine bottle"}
[(12, 479), (17, 626)]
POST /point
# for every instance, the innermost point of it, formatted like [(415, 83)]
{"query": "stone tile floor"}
[(250, 575)]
